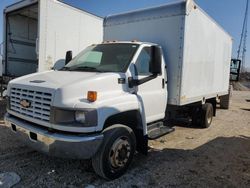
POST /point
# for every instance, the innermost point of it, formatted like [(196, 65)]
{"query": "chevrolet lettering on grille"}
[(25, 103)]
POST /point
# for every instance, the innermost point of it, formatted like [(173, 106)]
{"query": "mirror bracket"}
[(134, 82), (68, 57)]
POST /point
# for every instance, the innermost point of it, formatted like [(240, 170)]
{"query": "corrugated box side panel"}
[(64, 28), (161, 25), (206, 62)]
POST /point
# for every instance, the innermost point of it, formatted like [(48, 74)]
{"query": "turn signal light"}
[(92, 96)]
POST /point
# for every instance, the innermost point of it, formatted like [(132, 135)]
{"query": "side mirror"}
[(235, 69), (155, 66), (68, 57)]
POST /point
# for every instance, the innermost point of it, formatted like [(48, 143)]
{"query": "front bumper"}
[(58, 144)]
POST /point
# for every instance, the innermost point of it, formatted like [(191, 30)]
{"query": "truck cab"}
[(110, 88)]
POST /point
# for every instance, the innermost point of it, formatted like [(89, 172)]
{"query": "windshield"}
[(103, 58)]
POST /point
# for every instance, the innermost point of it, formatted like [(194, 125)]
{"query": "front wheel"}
[(116, 152)]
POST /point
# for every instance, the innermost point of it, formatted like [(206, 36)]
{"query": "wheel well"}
[(213, 102), (133, 120)]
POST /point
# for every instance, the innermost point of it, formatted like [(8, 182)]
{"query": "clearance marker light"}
[(92, 96)]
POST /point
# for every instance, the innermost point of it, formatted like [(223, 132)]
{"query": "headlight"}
[(80, 116), (74, 118)]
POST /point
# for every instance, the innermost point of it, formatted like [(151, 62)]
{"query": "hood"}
[(69, 87), (53, 79)]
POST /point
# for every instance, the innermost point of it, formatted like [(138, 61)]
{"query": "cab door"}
[(152, 94)]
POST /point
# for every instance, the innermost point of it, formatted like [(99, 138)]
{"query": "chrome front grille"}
[(39, 103)]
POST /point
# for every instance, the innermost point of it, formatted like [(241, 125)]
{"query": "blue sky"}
[(228, 13)]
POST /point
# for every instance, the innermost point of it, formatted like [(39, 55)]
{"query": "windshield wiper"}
[(85, 68), (64, 68)]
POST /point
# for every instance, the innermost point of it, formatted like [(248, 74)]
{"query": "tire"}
[(225, 100), (116, 152), (206, 115)]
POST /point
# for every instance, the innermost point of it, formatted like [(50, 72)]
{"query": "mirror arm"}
[(68, 57), (132, 82)]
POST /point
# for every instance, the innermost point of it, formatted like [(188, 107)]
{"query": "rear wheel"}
[(206, 115), (115, 153)]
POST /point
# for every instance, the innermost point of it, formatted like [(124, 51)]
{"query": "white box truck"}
[(109, 100), (37, 34)]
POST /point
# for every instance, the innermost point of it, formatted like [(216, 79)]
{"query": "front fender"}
[(112, 104), (115, 105)]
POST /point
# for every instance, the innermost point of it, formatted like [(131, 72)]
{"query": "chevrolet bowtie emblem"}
[(25, 103)]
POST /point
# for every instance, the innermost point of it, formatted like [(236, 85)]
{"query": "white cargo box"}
[(37, 34), (197, 50)]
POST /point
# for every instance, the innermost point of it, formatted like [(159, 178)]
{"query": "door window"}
[(143, 61)]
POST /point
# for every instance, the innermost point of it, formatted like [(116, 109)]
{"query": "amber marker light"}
[(92, 96)]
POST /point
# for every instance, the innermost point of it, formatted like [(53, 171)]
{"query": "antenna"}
[(243, 40)]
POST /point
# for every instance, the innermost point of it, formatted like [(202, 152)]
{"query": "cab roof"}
[(128, 42)]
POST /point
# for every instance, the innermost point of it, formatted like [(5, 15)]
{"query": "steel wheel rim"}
[(120, 152), (209, 116)]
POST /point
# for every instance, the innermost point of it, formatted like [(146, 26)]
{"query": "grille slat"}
[(30, 113), (36, 99), (40, 103)]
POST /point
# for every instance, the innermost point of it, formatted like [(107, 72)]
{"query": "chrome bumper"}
[(55, 144)]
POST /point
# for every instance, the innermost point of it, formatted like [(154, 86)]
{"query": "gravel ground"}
[(241, 86), (189, 157)]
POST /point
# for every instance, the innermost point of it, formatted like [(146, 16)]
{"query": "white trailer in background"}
[(37, 34)]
